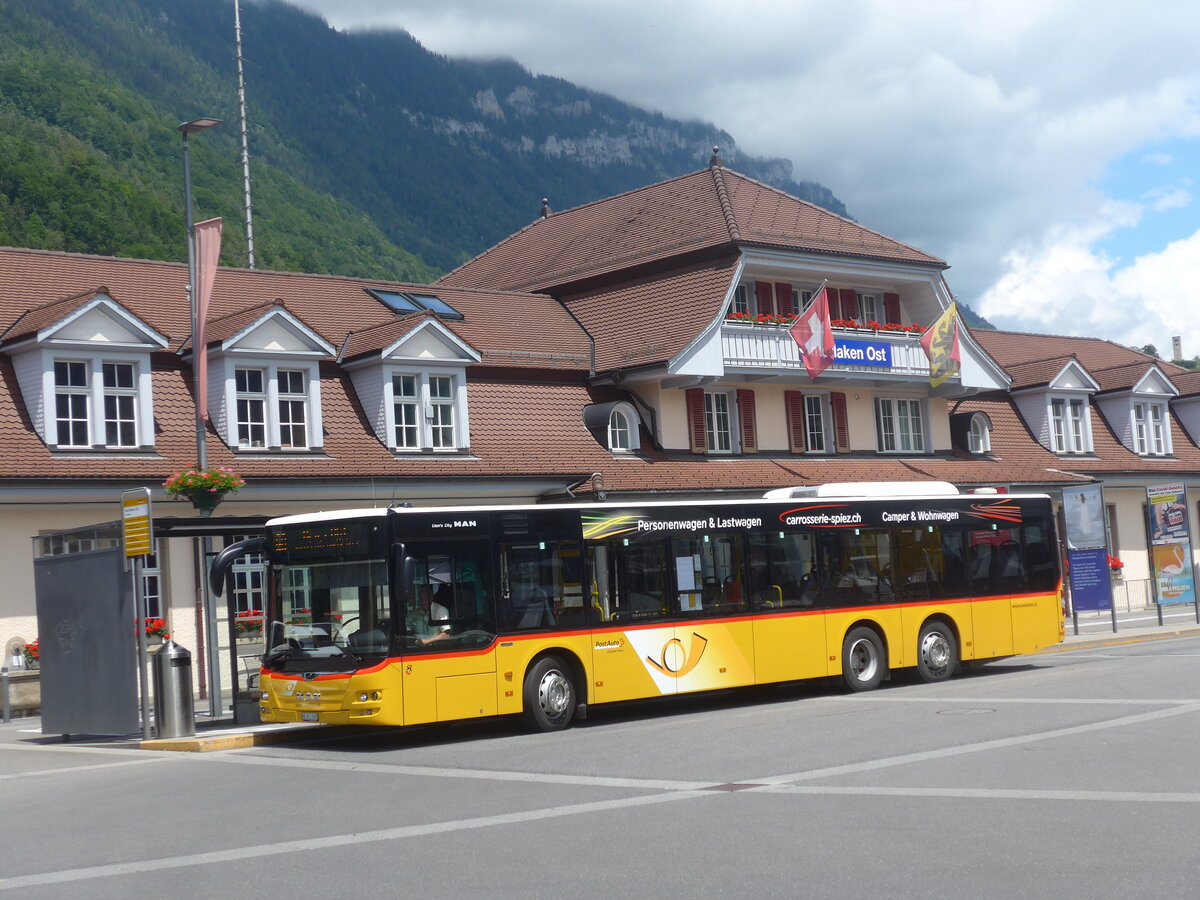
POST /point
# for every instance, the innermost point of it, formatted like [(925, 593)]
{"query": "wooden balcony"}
[(770, 350)]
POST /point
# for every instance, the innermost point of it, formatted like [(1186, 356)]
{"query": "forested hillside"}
[(369, 155)]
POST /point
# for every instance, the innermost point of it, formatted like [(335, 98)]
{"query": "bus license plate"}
[(308, 717)]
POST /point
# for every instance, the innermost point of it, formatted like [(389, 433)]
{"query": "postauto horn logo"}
[(675, 660)]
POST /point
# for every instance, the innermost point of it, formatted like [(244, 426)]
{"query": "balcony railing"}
[(871, 353)]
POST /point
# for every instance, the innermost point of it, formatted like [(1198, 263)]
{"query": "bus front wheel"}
[(937, 652), (863, 665), (549, 695)]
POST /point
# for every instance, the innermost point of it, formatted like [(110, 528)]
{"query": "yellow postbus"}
[(406, 616)]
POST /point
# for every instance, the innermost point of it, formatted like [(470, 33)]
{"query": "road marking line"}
[(353, 839), (963, 749), (66, 770), (985, 793), (649, 784)]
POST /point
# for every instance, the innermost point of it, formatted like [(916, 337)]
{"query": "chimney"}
[(545, 207), (1177, 347)]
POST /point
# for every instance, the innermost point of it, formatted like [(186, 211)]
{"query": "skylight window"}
[(405, 303)]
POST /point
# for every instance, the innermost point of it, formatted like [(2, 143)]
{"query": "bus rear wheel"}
[(549, 695), (863, 665), (937, 652)]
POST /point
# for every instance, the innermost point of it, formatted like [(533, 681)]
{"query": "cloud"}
[(972, 130), (1063, 284)]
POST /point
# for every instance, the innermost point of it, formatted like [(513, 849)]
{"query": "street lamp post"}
[(207, 635)]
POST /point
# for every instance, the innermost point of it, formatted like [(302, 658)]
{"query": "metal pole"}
[(139, 604), (241, 80), (215, 700), (4, 692)]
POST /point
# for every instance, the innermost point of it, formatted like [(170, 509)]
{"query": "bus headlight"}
[(362, 698)]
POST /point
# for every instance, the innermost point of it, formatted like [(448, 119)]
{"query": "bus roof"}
[(872, 490), (879, 489)]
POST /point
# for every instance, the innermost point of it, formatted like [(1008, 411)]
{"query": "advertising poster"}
[(1091, 584), (1170, 544), (1166, 506), (1083, 511), (1087, 548), (1173, 573)]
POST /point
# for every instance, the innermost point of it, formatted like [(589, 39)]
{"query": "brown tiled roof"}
[(1188, 382), (1011, 348), (34, 320), (1012, 442), (55, 283), (651, 319), (700, 211), (1037, 372), (1116, 378)]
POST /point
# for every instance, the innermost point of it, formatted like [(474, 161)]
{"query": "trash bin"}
[(173, 710)]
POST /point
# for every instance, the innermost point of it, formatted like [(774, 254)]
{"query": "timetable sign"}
[(135, 522)]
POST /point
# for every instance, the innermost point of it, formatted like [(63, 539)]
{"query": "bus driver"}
[(428, 619)]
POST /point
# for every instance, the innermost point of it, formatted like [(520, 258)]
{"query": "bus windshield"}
[(328, 616)]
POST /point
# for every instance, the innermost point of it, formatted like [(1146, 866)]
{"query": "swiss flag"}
[(814, 336)]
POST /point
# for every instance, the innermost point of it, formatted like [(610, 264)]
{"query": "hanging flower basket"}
[(205, 488)]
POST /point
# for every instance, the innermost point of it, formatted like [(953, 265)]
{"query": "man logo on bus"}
[(675, 661)]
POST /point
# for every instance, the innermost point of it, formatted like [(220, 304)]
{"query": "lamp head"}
[(197, 125)]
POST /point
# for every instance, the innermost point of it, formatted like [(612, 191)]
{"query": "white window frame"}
[(614, 431), (872, 299), (94, 395), (979, 435), (720, 417), (741, 299), (293, 409), (254, 400), (441, 416), (1151, 435), (117, 396), (892, 414), (816, 424), (406, 408), (73, 418), (1070, 425), (249, 579)]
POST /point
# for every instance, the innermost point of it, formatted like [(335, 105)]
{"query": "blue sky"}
[(1047, 149)]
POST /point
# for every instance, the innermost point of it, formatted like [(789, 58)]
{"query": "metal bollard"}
[(4, 691), (173, 711)]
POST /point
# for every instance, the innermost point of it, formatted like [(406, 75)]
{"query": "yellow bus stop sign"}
[(135, 522)]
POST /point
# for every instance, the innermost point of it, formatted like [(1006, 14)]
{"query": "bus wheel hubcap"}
[(935, 650), (862, 660), (554, 693)]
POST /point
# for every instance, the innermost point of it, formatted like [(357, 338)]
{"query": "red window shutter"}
[(695, 413), (849, 303), (745, 402), (783, 300), (766, 298), (793, 402), (841, 426), (891, 308), (835, 304)]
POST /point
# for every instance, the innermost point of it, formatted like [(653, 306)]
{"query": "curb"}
[(209, 743), (1119, 639)]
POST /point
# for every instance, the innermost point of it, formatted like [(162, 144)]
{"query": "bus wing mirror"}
[(221, 564)]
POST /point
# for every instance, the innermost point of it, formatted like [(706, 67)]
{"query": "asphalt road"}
[(1067, 774)]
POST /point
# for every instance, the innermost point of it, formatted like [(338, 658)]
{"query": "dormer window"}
[(1150, 432), (614, 425), (979, 435), (77, 385), (1071, 429), (426, 409)]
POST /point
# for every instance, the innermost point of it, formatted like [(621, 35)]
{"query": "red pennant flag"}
[(813, 335), (208, 252)]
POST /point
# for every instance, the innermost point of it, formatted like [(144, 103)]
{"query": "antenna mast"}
[(241, 79)]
